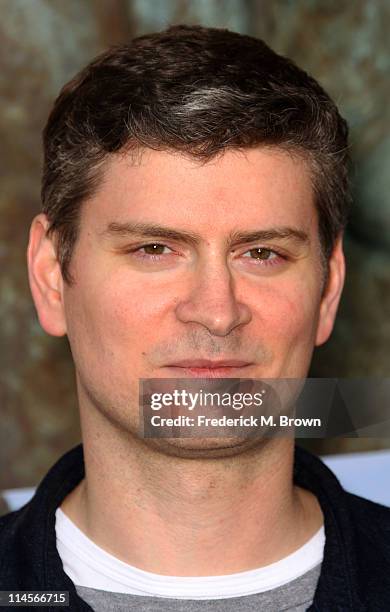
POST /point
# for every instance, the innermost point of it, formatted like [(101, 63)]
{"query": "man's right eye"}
[(153, 251)]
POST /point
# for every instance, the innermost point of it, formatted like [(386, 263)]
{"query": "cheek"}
[(112, 322), (288, 314), (135, 311)]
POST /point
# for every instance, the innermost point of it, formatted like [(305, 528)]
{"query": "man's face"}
[(234, 274)]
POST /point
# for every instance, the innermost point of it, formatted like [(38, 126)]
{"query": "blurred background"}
[(343, 44)]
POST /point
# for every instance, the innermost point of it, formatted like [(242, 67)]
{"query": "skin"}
[(128, 316)]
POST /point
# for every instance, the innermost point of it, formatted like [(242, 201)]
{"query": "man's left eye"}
[(153, 249), (261, 254)]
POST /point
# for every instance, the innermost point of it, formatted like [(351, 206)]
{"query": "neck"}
[(190, 517)]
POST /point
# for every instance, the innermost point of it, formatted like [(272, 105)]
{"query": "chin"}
[(205, 448)]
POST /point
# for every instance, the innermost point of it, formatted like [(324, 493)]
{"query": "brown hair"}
[(195, 90)]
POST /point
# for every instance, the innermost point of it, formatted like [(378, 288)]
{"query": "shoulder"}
[(8, 525), (364, 508), (11, 527), (10, 544), (371, 524)]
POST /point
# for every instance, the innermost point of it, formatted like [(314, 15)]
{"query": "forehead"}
[(264, 186)]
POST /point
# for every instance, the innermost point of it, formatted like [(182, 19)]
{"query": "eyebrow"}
[(151, 230)]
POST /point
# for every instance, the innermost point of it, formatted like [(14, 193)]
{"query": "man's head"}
[(228, 159)]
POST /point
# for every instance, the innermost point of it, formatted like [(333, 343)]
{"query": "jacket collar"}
[(338, 587)]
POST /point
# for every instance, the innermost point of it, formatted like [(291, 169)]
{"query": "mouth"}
[(204, 368)]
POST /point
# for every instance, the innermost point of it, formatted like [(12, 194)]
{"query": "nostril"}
[(219, 318)]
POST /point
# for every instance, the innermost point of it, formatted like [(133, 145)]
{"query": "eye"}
[(153, 251), (263, 256), (260, 253)]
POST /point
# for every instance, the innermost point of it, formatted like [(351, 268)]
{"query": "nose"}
[(212, 302)]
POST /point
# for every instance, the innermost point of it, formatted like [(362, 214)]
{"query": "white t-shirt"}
[(88, 565)]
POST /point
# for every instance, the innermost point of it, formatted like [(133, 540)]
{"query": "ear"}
[(332, 293), (45, 278)]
